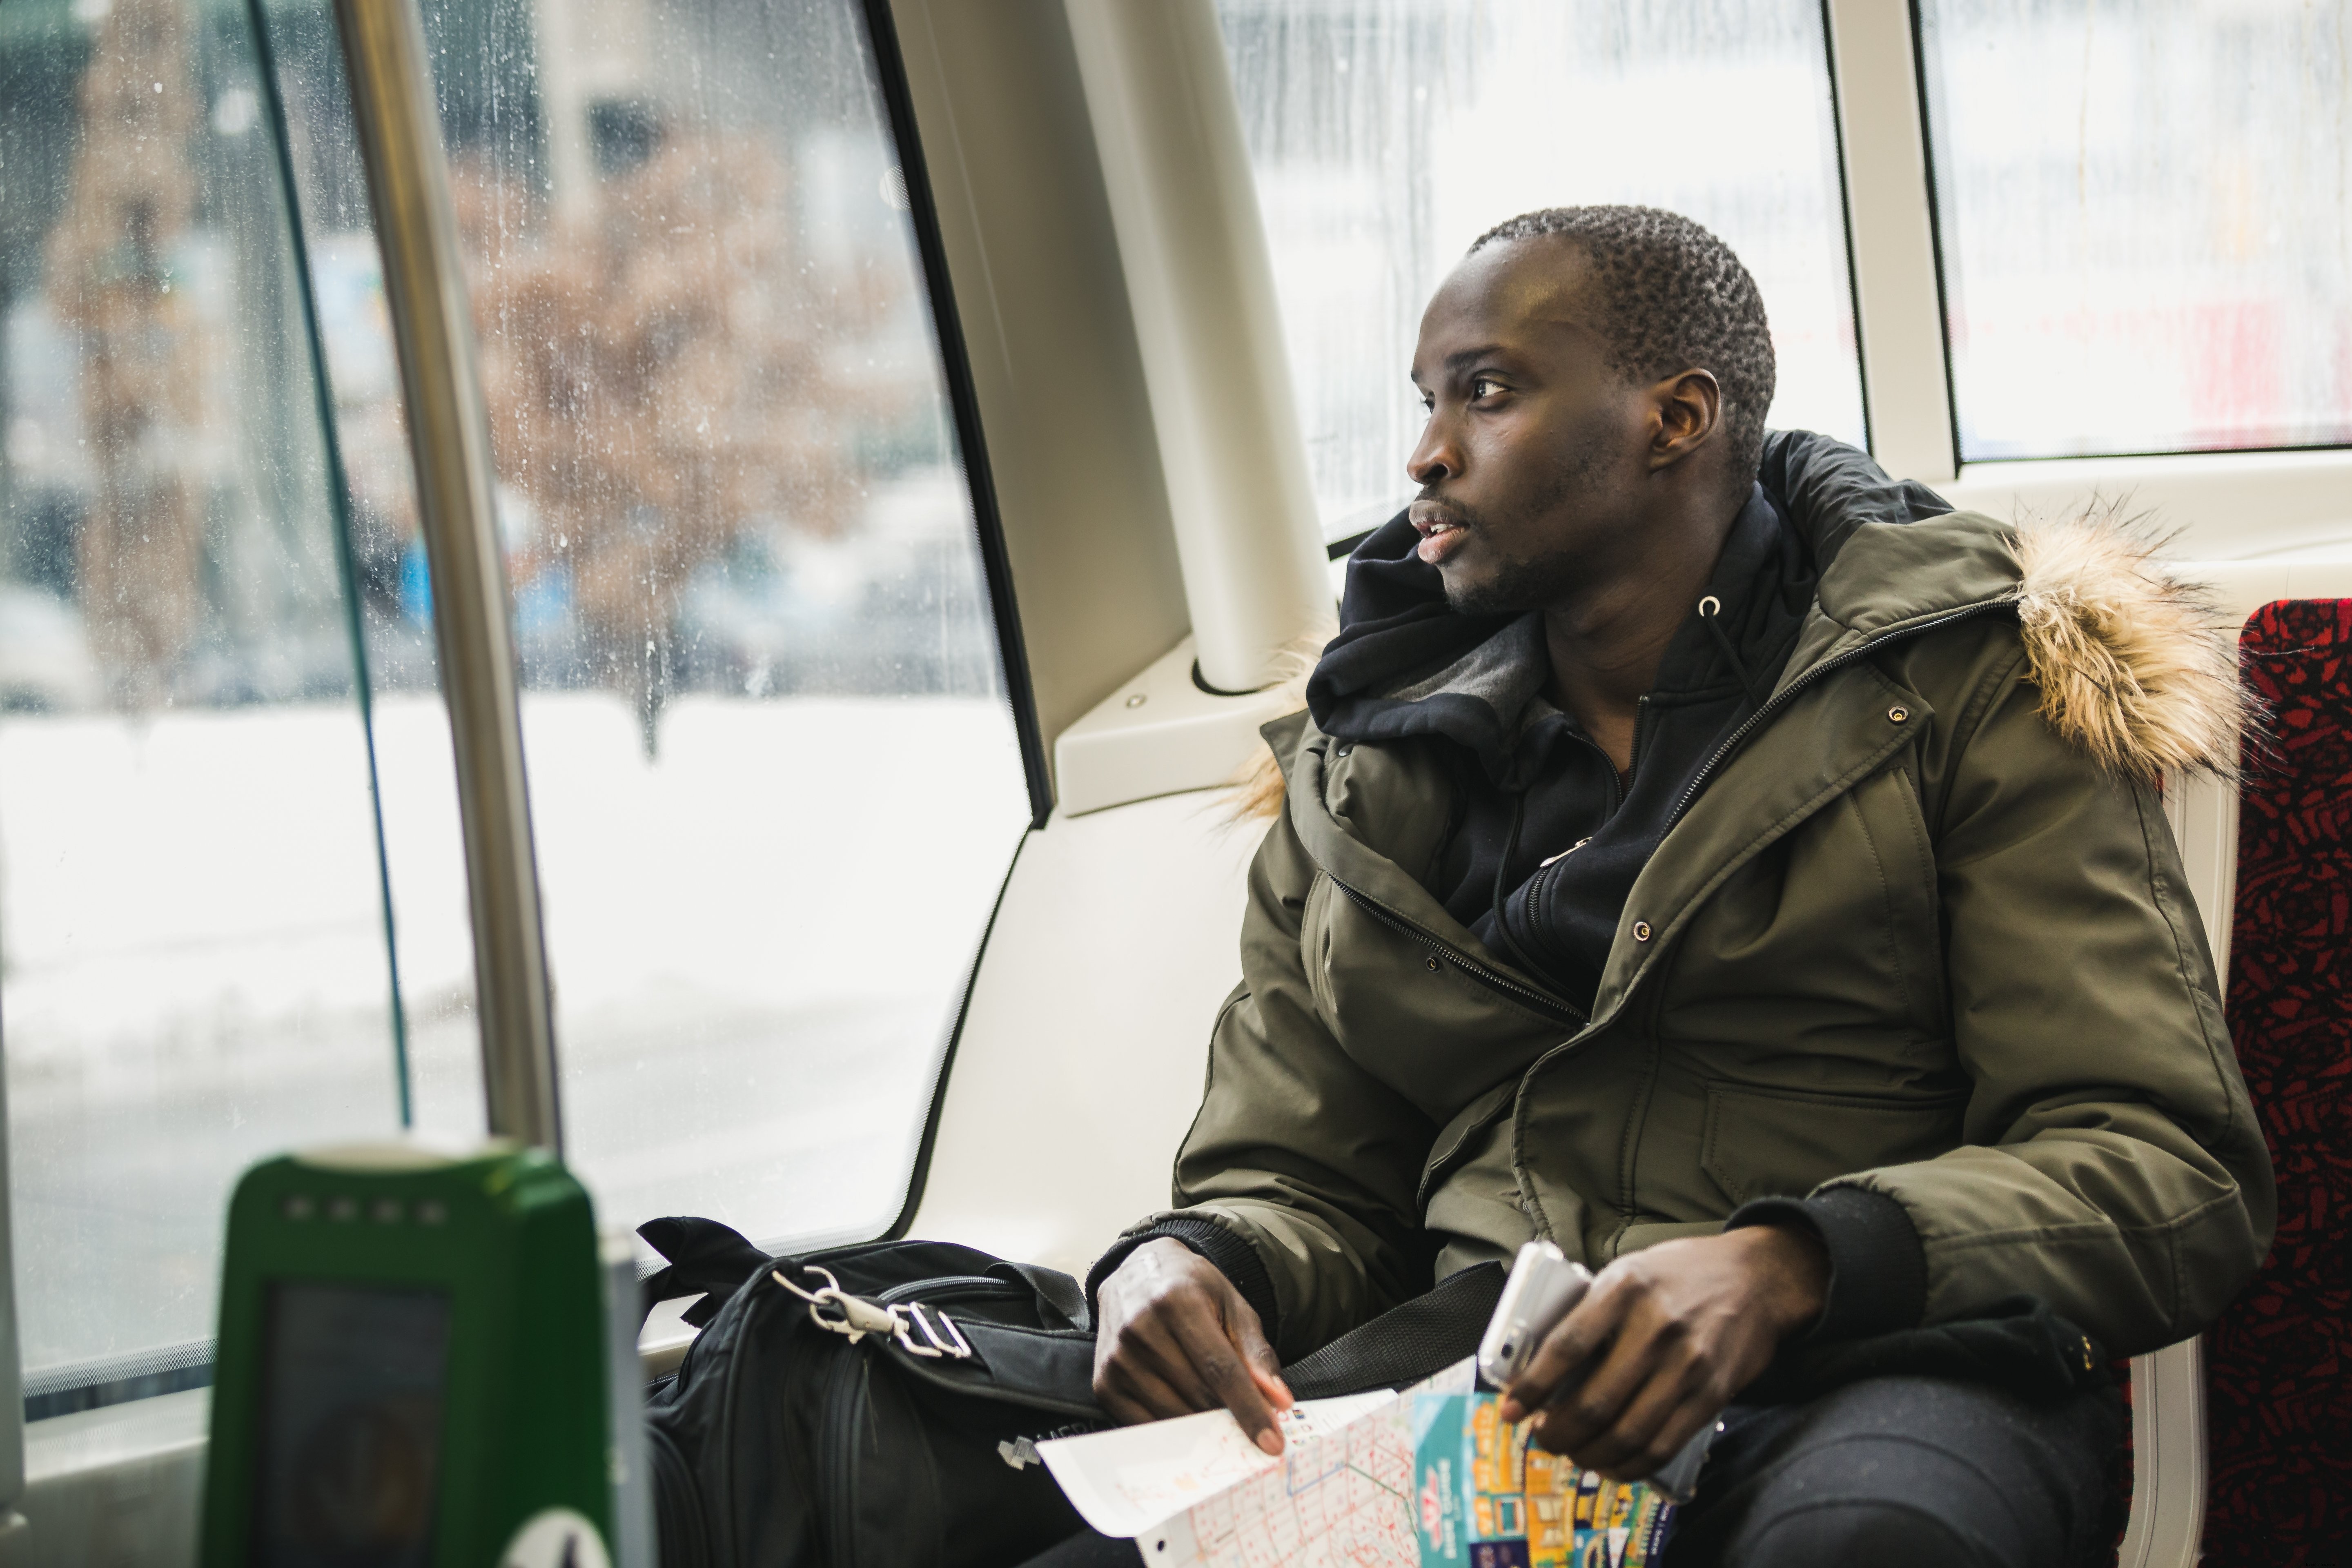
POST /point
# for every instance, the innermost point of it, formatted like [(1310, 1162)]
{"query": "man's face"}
[(1533, 463)]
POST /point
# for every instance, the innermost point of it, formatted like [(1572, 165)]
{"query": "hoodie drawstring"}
[(1710, 611)]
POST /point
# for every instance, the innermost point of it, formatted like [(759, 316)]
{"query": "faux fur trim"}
[(1256, 790), (2137, 668)]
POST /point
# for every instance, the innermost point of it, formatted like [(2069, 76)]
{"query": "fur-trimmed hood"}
[(2136, 666)]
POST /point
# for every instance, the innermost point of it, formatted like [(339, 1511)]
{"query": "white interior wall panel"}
[(1087, 1038)]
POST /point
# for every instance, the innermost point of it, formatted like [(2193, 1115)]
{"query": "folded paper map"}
[(1427, 1478)]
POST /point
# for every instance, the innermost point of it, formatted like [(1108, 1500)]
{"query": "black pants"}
[(1910, 1472)]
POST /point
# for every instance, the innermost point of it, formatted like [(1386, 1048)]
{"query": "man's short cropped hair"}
[(1672, 297)]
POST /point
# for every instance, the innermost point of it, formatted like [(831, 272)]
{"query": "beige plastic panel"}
[(1160, 733), (1063, 406), (1087, 1034), (1201, 286)]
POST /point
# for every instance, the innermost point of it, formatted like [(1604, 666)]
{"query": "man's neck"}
[(1609, 636)]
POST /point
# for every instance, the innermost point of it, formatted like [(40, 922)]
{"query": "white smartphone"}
[(1543, 1287)]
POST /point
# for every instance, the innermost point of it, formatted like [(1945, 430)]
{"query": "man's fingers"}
[(1645, 1458), (1230, 1379), (1177, 1338), (1597, 1403), (1570, 1348), (1119, 1406), (1145, 1386), (1157, 1344), (1612, 1430), (1142, 1359), (1249, 1335), (1570, 1345), (1693, 1417)]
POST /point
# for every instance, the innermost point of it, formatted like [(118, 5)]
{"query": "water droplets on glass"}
[(2146, 215), (1386, 135)]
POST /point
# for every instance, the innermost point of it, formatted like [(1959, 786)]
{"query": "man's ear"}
[(1687, 409)]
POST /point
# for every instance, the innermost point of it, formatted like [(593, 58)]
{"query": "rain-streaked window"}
[(193, 962), (774, 776), (2146, 215), (1386, 135), (774, 773)]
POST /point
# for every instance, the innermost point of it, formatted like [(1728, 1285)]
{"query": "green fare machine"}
[(415, 1367)]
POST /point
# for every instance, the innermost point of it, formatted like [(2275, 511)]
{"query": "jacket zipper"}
[(1551, 1007), (1788, 693)]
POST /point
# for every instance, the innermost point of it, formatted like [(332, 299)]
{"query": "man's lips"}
[(1441, 529)]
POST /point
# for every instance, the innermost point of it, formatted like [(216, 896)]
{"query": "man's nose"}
[(1435, 457)]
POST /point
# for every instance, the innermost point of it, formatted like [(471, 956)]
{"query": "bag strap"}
[(1405, 1343), (706, 1259), (1056, 1290)]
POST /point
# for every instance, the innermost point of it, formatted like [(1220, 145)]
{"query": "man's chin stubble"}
[(1514, 588)]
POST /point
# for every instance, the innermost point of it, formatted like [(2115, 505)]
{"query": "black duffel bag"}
[(871, 1407), (784, 1442)]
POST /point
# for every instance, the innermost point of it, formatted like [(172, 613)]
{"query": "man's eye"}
[(1481, 385)]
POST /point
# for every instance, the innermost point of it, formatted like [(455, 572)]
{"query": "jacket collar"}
[(1409, 665), (1814, 737)]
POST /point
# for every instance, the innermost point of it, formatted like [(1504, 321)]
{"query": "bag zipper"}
[(747, 1304), (836, 1457), (949, 1287), (664, 1461)]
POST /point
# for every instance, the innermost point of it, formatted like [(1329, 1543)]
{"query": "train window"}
[(2144, 218), (1387, 134), (193, 962), (774, 774), (424, 863)]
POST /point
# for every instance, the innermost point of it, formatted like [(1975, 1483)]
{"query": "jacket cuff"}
[(1232, 1257), (1878, 1270)]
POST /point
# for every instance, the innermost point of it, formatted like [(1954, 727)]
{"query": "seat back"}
[(2279, 1364)]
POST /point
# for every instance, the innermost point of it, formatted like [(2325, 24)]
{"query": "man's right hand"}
[(1174, 1337)]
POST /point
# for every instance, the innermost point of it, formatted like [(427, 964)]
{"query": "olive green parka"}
[(1924, 930)]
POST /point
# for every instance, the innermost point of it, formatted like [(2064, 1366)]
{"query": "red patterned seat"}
[(2279, 1379)]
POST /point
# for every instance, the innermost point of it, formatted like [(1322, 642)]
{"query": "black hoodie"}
[(1547, 840)]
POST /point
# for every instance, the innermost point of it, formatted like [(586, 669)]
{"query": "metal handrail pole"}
[(449, 440)]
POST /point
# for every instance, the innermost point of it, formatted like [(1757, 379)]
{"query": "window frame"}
[(972, 446), (2212, 505)]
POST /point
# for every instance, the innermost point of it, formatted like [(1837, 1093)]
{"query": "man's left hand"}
[(1663, 1340)]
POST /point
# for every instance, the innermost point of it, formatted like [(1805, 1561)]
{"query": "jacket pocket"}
[(1461, 1138), (1771, 1143)]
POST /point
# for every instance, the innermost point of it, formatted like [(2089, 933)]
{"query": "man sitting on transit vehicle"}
[(1710, 855)]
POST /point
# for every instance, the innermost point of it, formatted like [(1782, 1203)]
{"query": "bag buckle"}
[(834, 1310), (857, 1319), (951, 1344)]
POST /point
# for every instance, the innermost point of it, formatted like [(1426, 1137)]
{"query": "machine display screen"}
[(350, 1438)]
